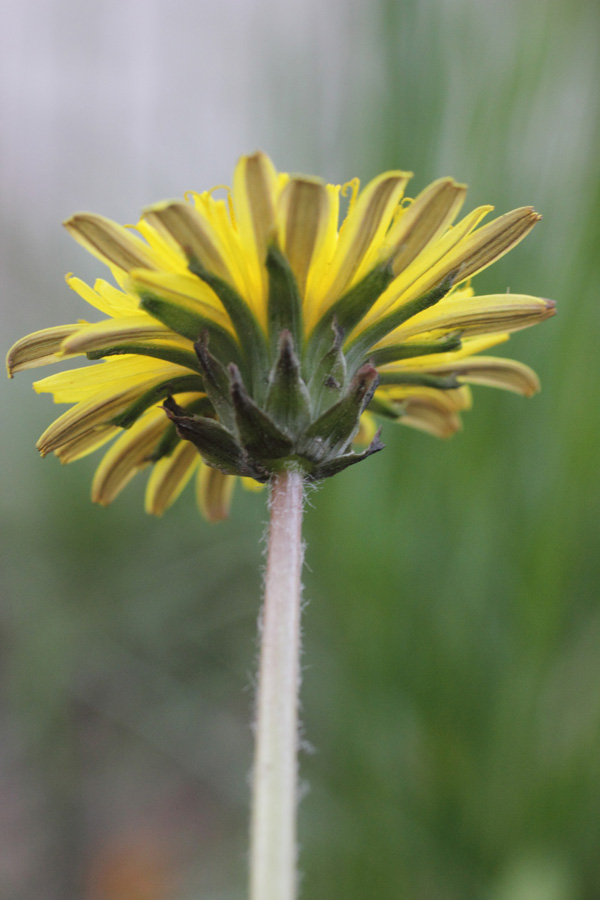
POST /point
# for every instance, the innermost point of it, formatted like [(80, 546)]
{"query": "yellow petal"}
[(472, 253), (185, 291), (220, 216), (213, 493), (86, 443), (169, 477), (254, 192), (110, 242), (322, 256), (123, 371), (490, 242), (86, 417), (38, 349), (493, 372), (462, 363), (102, 334), (127, 456), (417, 279), (362, 232), (469, 347), (477, 315), (304, 213), (167, 254), (255, 189), (422, 222), (104, 296), (430, 410), (457, 399), (189, 229), (425, 414)]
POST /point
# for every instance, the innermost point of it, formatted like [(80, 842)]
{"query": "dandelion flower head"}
[(251, 332)]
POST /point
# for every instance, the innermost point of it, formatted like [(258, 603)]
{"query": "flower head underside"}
[(250, 333)]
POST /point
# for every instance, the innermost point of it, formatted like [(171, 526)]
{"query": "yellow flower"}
[(250, 332)]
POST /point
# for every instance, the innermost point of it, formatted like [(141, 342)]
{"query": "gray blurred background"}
[(451, 693)]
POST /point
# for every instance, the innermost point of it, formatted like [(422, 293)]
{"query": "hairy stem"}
[(274, 793)]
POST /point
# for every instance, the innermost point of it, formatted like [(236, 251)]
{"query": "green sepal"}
[(178, 385), (347, 311), (217, 447), (339, 463), (258, 432), (170, 438), (284, 310), (329, 377), (288, 400), (168, 354), (358, 347), (216, 382), (336, 427), (439, 382), (397, 352), (250, 335), (191, 325)]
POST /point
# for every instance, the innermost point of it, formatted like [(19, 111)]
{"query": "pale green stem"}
[(274, 791)]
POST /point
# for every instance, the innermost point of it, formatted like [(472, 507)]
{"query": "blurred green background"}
[(451, 691)]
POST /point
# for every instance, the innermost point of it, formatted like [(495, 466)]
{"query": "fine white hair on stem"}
[(273, 849)]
